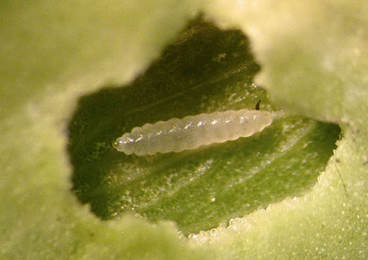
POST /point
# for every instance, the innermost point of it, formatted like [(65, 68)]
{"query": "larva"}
[(191, 132)]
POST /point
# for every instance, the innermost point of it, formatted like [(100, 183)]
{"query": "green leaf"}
[(51, 53), (313, 57), (203, 188)]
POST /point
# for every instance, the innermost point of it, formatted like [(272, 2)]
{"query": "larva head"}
[(124, 144)]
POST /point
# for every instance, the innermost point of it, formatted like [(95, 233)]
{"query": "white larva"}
[(191, 132)]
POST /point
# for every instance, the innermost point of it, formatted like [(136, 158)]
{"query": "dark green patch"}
[(205, 70)]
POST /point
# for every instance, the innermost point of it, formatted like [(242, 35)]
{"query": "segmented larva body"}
[(191, 132)]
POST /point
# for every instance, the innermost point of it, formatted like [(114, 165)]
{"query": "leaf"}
[(313, 57), (199, 189), (51, 53)]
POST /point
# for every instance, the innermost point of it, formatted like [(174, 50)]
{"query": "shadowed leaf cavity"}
[(203, 71)]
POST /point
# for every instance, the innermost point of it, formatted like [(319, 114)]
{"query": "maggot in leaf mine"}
[(191, 132)]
